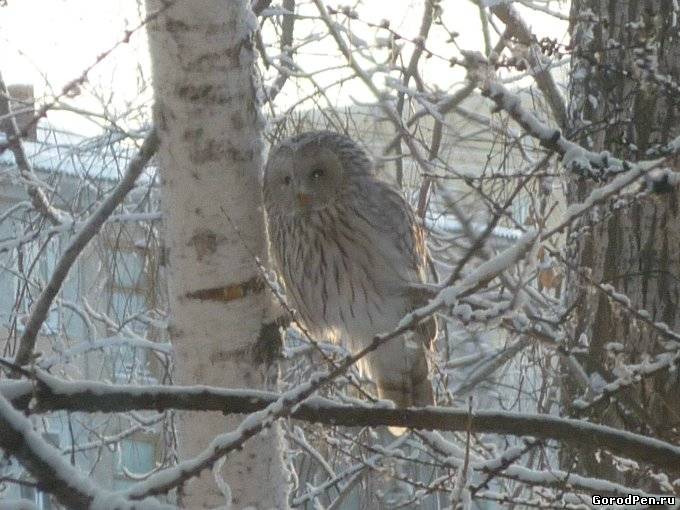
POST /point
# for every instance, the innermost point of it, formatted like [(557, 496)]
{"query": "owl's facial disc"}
[(309, 179), (303, 178)]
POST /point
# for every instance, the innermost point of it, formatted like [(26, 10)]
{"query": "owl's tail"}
[(409, 388), (401, 374)]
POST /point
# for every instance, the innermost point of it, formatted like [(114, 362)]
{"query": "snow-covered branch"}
[(504, 466), (72, 487), (666, 361), (540, 69), (51, 394), (78, 243), (35, 191), (575, 158), (72, 225)]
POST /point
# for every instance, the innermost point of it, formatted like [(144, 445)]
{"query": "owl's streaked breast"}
[(343, 274)]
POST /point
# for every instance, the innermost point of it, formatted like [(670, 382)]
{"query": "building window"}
[(127, 300), (39, 498), (130, 364), (28, 491), (521, 207), (128, 270), (135, 458), (41, 261), (129, 288)]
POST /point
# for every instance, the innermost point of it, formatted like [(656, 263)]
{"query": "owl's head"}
[(311, 171)]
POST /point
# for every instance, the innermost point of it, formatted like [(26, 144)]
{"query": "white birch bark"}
[(211, 155)]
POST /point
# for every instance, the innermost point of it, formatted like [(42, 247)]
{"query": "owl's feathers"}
[(348, 248)]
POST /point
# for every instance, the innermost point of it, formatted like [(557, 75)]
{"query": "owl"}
[(349, 251)]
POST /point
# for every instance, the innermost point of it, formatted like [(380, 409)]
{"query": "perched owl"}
[(348, 247)]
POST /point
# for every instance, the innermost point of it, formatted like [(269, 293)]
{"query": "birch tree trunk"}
[(208, 120), (619, 104)]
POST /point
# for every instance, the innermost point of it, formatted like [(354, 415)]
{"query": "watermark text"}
[(633, 499)]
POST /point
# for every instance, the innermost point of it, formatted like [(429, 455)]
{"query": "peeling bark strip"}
[(230, 292)]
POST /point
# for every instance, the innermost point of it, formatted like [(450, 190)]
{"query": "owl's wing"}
[(399, 220)]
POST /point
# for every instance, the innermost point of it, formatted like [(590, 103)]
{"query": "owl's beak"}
[(304, 199)]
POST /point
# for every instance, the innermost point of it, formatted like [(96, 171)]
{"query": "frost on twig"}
[(78, 243), (72, 487), (577, 159), (34, 187), (540, 68)]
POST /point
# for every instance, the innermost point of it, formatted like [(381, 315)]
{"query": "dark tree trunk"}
[(619, 104)]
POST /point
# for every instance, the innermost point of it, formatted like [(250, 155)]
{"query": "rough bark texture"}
[(617, 104), (210, 128)]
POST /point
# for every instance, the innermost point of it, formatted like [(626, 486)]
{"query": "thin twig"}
[(92, 226)]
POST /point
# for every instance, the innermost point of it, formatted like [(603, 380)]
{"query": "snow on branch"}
[(82, 238), (540, 69), (34, 189), (451, 455), (256, 422), (667, 361), (72, 225), (575, 158), (45, 463), (48, 393), (101, 344), (284, 405), (596, 197)]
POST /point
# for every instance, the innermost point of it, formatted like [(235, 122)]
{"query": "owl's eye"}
[(317, 173), (286, 180)]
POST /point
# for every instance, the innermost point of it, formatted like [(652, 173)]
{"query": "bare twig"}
[(78, 243), (576, 158), (35, 192), (70, 486), (517, 27)]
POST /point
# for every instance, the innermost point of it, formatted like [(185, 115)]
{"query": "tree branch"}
[(78, 243), (517, 28), (575, 158), (69, 485), (259, 5), (11, 130), (52, 394)]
